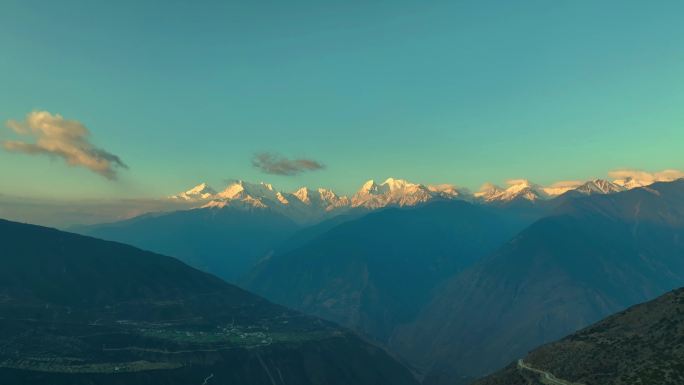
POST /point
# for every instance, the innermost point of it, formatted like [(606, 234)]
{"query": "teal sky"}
[(457, 92)]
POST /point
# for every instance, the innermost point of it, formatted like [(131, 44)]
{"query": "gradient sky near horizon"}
[(459, 92)]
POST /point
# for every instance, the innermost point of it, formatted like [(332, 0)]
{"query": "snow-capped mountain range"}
[(306, 204), (199, 192), (399, 192), (601, 186), (522, 189), (516, 189)]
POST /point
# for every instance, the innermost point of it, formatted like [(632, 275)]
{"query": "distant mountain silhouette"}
[(76, 310), (311, 232), (642, 345), (228, 236), (594, 256), (223, 241), (376, 272)]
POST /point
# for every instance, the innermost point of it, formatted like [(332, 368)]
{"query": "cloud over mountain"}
[(635, 178), (278, 165), (68, 139)]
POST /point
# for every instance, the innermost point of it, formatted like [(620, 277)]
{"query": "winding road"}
[(546, 377)]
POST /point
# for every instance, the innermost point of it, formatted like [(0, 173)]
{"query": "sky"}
[(167, 94)]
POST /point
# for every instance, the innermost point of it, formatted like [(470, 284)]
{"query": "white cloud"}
[(562, 187), (513, 182), (68, 139), (567, 183), (636, 178)]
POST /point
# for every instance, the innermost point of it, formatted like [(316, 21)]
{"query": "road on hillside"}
[(550, 378)]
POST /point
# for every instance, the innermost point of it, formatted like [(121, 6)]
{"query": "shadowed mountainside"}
[(226, 242), (593, 257), (78, 310), (376, 272), (639, 346)]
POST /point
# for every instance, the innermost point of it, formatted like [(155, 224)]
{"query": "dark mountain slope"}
[(309, 233), (640, 346), (376, 272), (77, 310), (223, 241), (525, 209), (595, 256)]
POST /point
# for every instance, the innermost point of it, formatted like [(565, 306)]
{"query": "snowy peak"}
[(399, 184), (308, 196), (371, 188), (631, 182), (399, 192), (320, 198), (241, 194), (488, 192), (232, 191), (304, 195), (240, 189), (200, 192), (448, 191), (201, 188), (599, 186), (516, 189), (523, 189), (333, 200), (630, 179), (245, 203), (372, 195), (303, 205), (562, 187), (308, 204), (518, 185)]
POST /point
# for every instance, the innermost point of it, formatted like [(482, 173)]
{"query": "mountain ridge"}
[(307, 205), (640, 345), (225, 241), (594, 256), (78, 310), (355, 272)]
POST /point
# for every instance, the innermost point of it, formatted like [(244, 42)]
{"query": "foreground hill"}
[(376, 272), (225, 241), (78, 310), (593, 257), (643, 345)]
